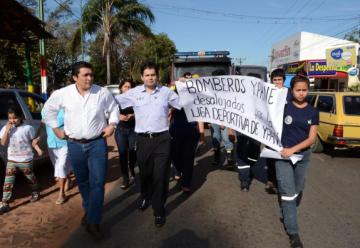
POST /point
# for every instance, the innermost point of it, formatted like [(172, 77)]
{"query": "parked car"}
[(113, 88), (339, 119), (31, 105)]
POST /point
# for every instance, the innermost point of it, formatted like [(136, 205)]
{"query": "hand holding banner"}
[(245, 104)]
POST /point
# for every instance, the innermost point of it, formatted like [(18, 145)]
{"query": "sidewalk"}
[(44, 224)]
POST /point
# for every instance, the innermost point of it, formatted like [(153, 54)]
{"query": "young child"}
[(18, 137)]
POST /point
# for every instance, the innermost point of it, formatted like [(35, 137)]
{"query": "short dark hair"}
[(278, 73), (78, 65), (297, 79), (186, 74), (122, 82), (149, 65), (16, 110)]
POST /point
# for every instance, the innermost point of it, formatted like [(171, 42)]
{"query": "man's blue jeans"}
[(219, 135), (89, 162), (291, 179)]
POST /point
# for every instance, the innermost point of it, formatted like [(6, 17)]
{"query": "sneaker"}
[(295, 241), (35, 196), (4, 207)]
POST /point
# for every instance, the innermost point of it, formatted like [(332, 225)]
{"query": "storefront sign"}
[(341, 58), (320, 68), (293, 68)]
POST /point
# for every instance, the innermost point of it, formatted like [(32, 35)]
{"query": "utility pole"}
[(44, 79), (28, 68), (81, 30)]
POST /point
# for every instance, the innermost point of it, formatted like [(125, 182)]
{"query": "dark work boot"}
[(295, 241)]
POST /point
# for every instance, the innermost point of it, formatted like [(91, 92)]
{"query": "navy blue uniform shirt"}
[(297, 123)]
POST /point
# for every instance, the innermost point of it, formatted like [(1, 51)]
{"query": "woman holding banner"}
[(299, 133)]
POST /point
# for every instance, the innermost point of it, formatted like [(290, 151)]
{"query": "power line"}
[(288, 10), (67, 9), (242, 16), (287, 29), (221, 20)]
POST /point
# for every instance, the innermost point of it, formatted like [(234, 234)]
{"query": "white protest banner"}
[(245, 104)]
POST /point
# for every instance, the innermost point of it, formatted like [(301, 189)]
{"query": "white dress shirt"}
[(151, 109), (85, 116)]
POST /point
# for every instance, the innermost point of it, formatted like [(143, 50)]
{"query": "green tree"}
[(159, 49), (353, 36), (61, 53), (11, 68), (113, 18)]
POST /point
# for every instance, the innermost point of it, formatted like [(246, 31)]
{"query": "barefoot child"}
[(18, 136)]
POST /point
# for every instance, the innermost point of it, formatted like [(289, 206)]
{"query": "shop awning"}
[(18, 25), (339, 74)]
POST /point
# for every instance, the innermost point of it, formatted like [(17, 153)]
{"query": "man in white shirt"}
[(85, 128)]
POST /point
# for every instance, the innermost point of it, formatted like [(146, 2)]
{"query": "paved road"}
[(216, 214)]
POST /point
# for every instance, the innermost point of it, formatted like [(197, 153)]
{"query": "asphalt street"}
[(218, 214)]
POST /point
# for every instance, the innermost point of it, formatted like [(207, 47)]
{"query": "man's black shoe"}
[(94, 231), (144, 204), (160, 220), (295, 241)]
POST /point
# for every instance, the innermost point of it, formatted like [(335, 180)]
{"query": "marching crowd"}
[(151, 131)]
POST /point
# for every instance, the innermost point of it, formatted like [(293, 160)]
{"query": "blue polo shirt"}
[(297, 123), (52, 140), (151, 108)]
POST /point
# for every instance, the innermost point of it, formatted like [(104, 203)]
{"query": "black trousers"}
[(247, 150), (153, 157), (183, 147)]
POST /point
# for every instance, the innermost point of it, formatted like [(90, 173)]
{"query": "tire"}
[(318, 146)]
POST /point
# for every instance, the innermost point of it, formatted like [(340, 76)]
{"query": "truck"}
[(257, 71), (208, 63), (203, 63)]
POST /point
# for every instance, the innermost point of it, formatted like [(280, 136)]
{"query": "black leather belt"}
[(151, 135), (83, 141)]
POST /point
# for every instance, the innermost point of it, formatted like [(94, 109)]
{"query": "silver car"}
[(113, 88), (31, 105)]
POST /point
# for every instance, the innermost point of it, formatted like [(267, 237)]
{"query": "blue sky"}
[(247, 28)]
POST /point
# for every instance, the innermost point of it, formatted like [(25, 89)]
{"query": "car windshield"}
[(352, 105)]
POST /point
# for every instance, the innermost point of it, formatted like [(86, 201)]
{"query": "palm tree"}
[(112, 18)]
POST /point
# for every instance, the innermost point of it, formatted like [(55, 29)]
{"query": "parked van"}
[(339, 119)]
